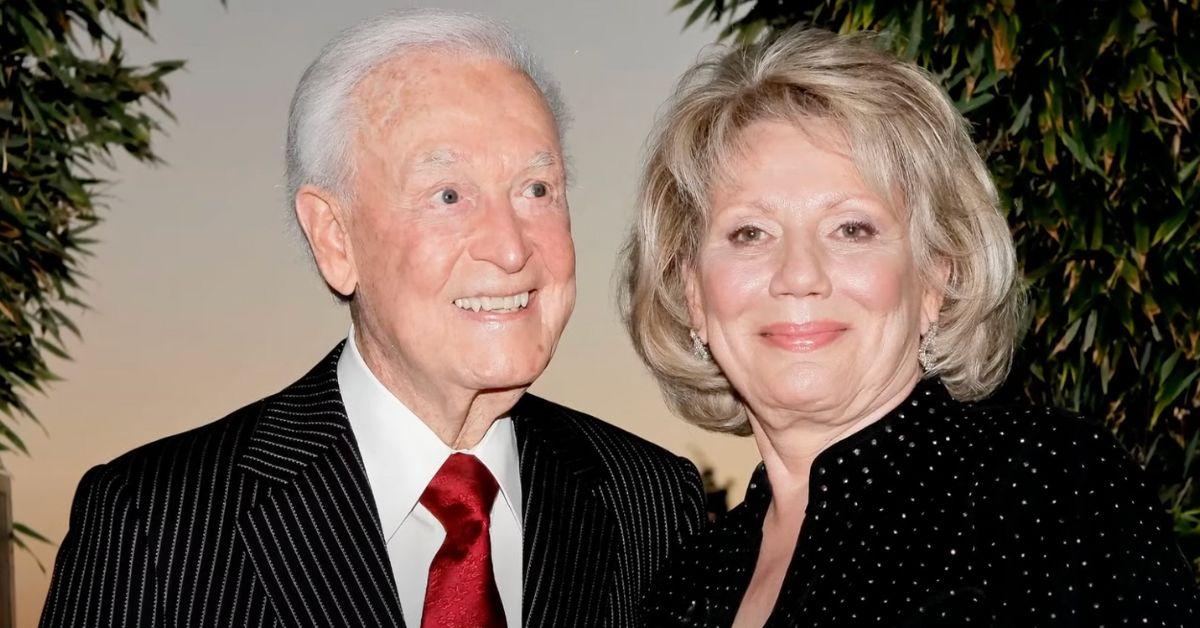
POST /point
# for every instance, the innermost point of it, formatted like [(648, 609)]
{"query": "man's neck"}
[(459, 417)]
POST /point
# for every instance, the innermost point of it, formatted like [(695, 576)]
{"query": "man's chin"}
[(506, 377)]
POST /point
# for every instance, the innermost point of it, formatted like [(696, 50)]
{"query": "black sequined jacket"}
[(951, 514)]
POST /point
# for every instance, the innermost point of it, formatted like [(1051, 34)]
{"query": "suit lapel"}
[(569, 532), (312, 532)]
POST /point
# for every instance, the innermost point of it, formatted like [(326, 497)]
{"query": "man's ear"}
[(325, 224), (935, 295), (695, 304)]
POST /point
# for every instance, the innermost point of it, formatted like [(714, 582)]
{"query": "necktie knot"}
[(461, 492)]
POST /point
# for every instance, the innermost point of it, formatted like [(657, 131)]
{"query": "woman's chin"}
[(796, 401)]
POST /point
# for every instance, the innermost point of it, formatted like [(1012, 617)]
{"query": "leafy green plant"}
[(67, 101), (1086, 113)]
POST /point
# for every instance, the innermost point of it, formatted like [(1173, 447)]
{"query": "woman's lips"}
[(802, 337)]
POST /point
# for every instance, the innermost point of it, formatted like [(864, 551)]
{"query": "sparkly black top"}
[(949, 514)]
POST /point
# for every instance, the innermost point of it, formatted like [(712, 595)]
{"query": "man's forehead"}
[(440, 83), (440, 67), (447, 157)]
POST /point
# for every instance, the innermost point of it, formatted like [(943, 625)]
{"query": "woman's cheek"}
[(731, 285), (877, 283)]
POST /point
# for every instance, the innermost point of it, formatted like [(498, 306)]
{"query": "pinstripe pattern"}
[(265, 518)]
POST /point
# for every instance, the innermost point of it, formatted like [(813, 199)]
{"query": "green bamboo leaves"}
[(67, 101)]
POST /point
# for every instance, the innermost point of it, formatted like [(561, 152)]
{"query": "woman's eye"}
[(448, 196), (747, 234), (537, 190), (856, 230)]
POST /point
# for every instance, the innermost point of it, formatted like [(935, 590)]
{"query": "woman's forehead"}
[(759, 145)]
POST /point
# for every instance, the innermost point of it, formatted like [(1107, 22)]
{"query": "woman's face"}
[(805, 288)]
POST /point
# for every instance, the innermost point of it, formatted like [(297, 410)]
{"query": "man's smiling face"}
[(458, 229)]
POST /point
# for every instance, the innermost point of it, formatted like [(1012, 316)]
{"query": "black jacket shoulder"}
[(200, 450), (621, 453)]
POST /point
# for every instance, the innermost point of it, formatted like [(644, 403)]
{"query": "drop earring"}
[(925, 349), (699, 349)]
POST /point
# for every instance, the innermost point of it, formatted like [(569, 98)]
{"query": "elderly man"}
[(407, 478)]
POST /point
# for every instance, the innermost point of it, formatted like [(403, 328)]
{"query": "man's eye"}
[(448, 196), (537, 190), (747, 234)]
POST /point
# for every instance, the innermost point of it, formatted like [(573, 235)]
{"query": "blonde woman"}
[(819, 262)]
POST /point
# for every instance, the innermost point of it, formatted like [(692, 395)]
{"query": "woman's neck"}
[(789, 446)]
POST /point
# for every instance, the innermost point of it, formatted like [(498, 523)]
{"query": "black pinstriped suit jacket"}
[(265, 518)]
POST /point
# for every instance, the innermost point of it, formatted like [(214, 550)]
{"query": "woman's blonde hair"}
[(907, 141)]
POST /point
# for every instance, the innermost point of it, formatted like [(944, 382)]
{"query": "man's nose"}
[(801, 271), (499, 237)]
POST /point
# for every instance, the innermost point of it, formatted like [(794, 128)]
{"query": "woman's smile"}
[(803, 337)]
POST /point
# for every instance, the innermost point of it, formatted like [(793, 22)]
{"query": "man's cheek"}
[(561, 253)]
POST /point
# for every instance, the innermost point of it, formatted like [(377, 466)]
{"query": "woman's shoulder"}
[(996, 439), (1060, 506), (1031, 464), (1019, 433)]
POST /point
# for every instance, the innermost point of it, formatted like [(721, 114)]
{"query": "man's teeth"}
[(509, 303)]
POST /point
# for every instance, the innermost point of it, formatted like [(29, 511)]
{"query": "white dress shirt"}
[(401, 455)]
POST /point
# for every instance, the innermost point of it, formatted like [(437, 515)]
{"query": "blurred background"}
[(202, 298)]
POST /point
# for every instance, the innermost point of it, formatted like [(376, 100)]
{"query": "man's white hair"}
[(323, 119)]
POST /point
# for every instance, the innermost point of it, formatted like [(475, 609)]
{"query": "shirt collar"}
[(401, 453)]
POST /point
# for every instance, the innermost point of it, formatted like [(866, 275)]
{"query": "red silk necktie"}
[(462, 588)]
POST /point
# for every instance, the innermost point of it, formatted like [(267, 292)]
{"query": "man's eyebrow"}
[(543, 159), (437, 158)]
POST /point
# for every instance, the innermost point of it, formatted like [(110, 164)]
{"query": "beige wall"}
[(202, 301)]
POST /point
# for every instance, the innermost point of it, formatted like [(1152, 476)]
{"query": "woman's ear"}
[(326, 226), (935, 295), (695, 303)]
